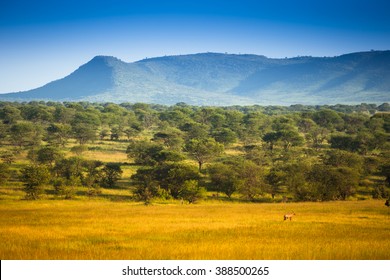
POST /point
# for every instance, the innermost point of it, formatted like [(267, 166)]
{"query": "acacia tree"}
[(58, 134), (251, 180), (170, 177), (111, 173), (25, 134), (224, 178), (271, 138), (332, 183), (146, 187), (203, 150), (34, 177), (48, 155), (149, 153)]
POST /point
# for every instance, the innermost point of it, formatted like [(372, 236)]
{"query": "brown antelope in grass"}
[(288, 216)]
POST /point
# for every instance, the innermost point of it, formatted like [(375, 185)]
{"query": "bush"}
[(192, 192)]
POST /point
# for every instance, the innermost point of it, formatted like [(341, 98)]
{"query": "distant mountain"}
[(224, 79)]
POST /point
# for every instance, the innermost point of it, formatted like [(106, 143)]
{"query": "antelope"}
[(288, 216)]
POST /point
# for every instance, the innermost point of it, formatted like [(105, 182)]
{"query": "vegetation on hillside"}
[(188, 153)]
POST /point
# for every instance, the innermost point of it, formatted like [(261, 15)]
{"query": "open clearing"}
[(101, 229)]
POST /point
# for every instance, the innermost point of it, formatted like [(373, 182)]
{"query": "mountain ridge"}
[(224, 79)]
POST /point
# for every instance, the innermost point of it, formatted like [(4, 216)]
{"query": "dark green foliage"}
[(4, 173), (224, 178), (380, 192), (167, 176), (58, 134), (66, 187), (172, 138), (10, 114), (68, 167), (147, 187), (34, 177), (192, 192), (111, 173), (344, 142), (339, 158), (203, 150), (7, 157), (225, 136), (25, 134), (251, 180), (328, 119), (305, 152), (48, 155), (332, 183), (149, 153), (296, 177), (271, 138)]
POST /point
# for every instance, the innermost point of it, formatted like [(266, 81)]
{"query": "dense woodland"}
[(246, 153)]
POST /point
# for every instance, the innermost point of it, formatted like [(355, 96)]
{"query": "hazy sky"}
[(44, 40)]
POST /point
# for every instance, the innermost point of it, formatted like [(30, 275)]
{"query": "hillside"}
[(224, 79)]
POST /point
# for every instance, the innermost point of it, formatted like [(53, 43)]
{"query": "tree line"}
[(306, 153)]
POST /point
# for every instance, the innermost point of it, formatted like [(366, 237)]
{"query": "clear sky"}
[(44, 40)]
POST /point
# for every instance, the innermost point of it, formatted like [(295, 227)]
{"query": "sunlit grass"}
[(100, 229)]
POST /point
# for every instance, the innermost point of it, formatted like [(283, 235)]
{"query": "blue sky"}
[(44, 40)]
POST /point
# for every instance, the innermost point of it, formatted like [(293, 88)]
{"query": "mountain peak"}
[(110, 61), (224, 79)]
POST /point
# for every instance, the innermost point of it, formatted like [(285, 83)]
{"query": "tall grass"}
[(100, 229)]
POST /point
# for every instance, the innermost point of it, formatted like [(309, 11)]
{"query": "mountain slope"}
[(225, 79)]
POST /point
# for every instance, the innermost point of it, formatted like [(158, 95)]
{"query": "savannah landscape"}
[(136, 181)]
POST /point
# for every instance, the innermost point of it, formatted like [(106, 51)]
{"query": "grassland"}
[(102, 229)]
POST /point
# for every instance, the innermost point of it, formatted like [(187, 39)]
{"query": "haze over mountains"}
[(224, 79)]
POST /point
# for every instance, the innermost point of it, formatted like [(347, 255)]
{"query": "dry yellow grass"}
[(100, 229)]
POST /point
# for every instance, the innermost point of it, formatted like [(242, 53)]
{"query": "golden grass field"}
[(101, 229)]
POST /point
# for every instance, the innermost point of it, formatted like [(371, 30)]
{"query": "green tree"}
[(192, 192), (223, 178), (48, 155), (66, 187), (274, 179), (34, 178), (329, 119), (58, 134), (69, 167), (172, 176), (317, 135), (10, 114), (171, 138), (271, 138), (332, 183), (344, 142), (340, 158), (225, 136), (25, 134), (296, 179), (85, 126), (4, 173), (146, 186), (290, 138), (145, 153), (203, 150), (195, 130), (251, 182), (111, 173)]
